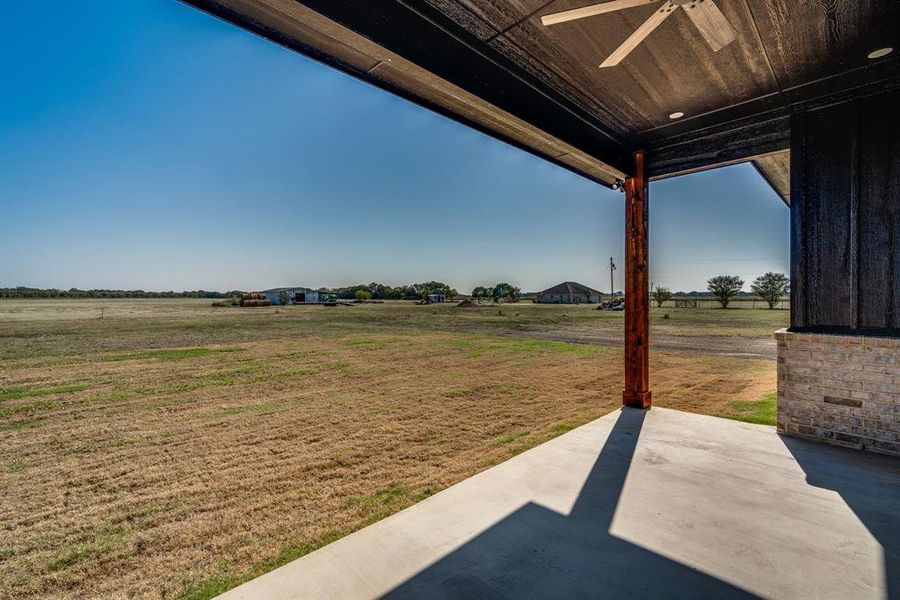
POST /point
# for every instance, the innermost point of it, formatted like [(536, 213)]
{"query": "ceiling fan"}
[(704, 14)]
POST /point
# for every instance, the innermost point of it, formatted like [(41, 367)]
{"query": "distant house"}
[(436, 298), (569, 292), (295, 295)]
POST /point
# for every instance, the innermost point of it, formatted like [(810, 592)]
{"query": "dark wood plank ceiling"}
[(781, 44), (499, 69), (672, 70)]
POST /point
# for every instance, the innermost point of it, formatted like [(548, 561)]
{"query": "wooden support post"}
[(637, 292)]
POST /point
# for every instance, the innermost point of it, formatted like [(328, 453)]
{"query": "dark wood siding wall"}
[(845, 217)]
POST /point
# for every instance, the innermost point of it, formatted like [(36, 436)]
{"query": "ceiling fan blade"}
[(638, 36), (713, 25), (589, 11)]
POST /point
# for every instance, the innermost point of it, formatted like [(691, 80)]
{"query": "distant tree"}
[(438, 287), (378, 290), (771, 287), (283, 297), (661, 294), (481, 293), (363, 295), (500, 291), (453, 294), (725, 287), (504, 292)]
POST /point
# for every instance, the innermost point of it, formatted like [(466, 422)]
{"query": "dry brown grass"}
[(159, 473)]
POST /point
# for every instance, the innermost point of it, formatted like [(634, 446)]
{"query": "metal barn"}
[(295, 295)]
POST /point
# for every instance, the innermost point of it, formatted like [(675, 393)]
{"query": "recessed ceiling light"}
[(880, 52), (676, 115)]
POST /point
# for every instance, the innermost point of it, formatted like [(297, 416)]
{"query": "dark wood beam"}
[(758, 127), (873, 79), (719, 146), (637, 296)]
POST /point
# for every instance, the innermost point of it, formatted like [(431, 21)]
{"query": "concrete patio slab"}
[(658, 504)]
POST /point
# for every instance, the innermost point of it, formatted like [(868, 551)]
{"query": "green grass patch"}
[(522, 345), (170, 354), (120, 442), (520, 448), (7, 413), (288, 374), (119, 396), (179, 388), (563, 427), (383, 497), (213, 586), (424, 493), (182, 353), (460, 344), (535, 346), (17, 425), (17, 465), (371, 342), (509, 439), (761, 412), (248, 368), (104, 543), (17, 393)]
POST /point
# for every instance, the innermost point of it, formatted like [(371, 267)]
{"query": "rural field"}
[(172, 449)]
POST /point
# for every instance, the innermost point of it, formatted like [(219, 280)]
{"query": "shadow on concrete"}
[(868, 485), (539, 553)]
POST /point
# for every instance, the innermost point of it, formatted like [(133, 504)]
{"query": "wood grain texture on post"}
[(637, 300)]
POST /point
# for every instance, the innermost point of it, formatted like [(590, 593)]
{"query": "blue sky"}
[(144, 144)]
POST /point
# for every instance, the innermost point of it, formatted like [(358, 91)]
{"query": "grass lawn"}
[(172, 449)]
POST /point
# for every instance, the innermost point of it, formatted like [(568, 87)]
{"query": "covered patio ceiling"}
[(493, 65)]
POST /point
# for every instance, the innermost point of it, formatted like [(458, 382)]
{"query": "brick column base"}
[(841, 389)]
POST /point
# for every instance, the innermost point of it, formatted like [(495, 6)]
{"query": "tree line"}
[(29, 292), (380, 291), (502, 292), (771, 287)]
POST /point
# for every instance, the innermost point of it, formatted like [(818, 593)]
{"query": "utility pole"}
[(612, 267)]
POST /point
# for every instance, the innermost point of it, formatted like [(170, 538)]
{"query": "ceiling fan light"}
[(879, 53), (676, 115)]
